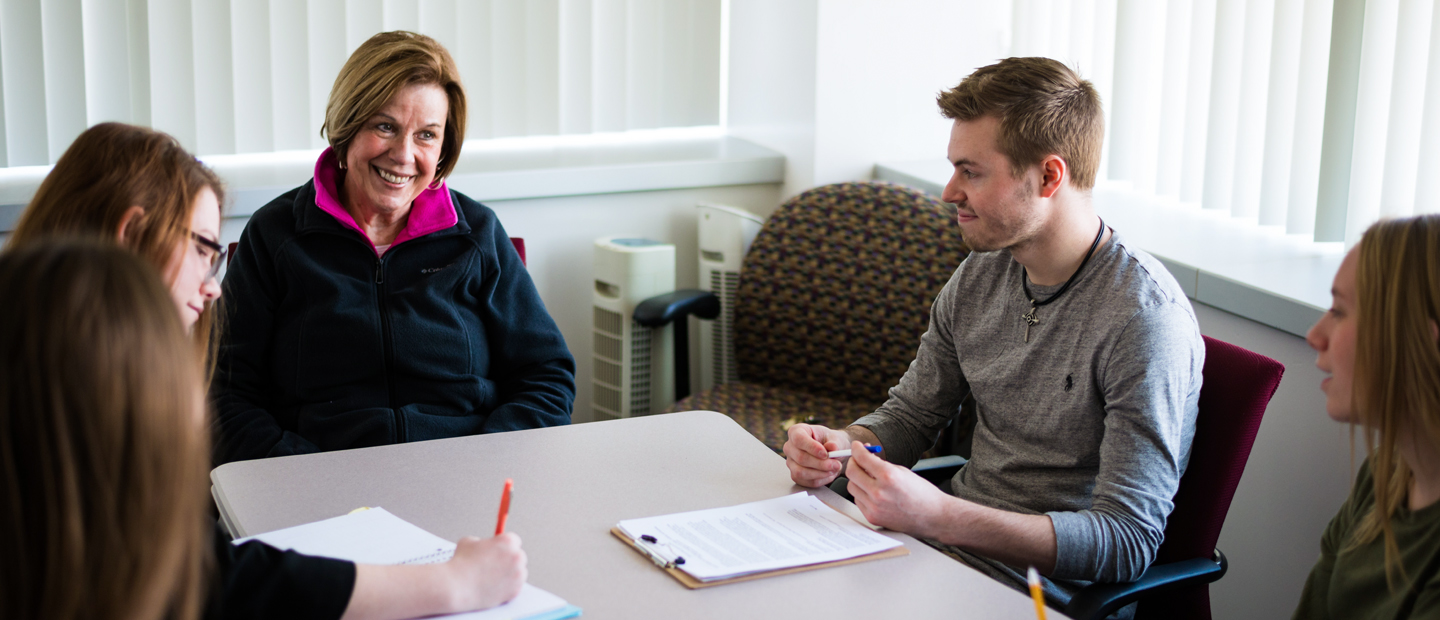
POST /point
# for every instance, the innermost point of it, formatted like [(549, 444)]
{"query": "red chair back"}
[(519, 244), (1237, 386)]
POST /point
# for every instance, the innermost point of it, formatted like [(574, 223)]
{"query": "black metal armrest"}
[(1102, 599), (664, 309), (939, 469)]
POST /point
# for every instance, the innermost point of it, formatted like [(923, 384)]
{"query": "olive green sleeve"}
[(1314, 598)]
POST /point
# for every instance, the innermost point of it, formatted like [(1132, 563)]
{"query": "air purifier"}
[(634, 366), (725, 236)]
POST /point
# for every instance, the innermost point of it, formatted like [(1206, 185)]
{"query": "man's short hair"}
[(1044, 108)]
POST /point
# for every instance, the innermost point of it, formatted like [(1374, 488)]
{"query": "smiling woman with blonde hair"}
[(1380, 345), (375, 305)]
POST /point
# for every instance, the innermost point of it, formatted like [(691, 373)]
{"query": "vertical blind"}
[(253, 76), (1311, 115)]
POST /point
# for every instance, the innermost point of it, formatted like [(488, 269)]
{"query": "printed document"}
[(375, 536), (774, 534)]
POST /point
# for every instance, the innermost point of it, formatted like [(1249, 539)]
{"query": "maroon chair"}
[(1237, 386)]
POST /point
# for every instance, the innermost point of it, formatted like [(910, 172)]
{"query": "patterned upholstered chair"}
[(833, 298)]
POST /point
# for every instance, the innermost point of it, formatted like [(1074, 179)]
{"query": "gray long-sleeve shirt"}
[(1089, 422)]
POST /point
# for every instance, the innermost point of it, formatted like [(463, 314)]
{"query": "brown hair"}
[(103, 452), (378, 69), (110, 168), (1044, 108), (1397, 360)]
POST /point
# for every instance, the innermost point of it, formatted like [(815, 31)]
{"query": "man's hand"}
[(807, 454), (486, 572), (894, 497)]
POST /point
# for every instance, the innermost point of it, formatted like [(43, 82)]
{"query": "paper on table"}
[(375, 536), (795, 530), (371, 536)]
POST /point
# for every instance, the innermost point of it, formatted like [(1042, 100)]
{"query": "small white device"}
[(634, 366)]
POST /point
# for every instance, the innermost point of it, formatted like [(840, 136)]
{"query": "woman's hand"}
[(486, 572)]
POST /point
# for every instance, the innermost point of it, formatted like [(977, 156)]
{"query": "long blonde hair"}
[(1397, 361), (103, 449), (110, 168)]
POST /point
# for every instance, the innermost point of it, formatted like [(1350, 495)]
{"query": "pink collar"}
[(431, 211)]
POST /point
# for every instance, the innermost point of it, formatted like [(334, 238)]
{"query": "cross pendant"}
[(1030, 320)]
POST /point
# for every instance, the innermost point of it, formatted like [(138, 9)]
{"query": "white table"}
[(572, 483)]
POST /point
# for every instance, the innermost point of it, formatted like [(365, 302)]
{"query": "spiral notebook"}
[(374, 536)]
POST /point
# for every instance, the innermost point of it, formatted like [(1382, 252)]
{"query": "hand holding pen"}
[(813, 453), (485, 572)]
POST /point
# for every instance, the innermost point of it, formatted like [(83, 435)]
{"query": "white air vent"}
[(634, 366), (725, 237)]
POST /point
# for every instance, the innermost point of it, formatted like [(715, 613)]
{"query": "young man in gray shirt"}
[(1082, 353)]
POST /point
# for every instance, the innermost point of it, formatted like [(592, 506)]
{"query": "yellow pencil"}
[(1034, 577)]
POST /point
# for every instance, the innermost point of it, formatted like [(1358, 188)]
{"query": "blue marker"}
[(840, 454)]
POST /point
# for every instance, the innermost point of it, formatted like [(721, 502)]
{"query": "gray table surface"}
[(573, 483)]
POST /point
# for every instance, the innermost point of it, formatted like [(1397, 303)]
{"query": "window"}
[(1307, 115), (252, 76)]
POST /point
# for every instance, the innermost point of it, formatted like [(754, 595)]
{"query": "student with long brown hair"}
[(102, 446), (1380, 345), (139, 187)]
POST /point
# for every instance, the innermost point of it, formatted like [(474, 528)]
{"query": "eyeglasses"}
[(211, 250)]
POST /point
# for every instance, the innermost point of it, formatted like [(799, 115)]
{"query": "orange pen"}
[(504, 507)]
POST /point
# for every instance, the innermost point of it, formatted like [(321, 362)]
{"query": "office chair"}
[(1237, 386), (833, 297)]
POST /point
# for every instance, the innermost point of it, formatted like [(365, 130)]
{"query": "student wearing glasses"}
[(139, 187)]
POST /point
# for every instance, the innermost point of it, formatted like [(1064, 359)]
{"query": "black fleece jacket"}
[(329, 347)]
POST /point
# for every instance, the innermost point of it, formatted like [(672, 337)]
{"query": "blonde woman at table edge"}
[(139, 187), (1380, 344)]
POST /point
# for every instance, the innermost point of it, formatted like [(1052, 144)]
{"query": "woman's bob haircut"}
[(379, 69)]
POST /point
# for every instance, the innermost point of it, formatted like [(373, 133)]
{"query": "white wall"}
[(559, 238), (837, 85), (772, 82), (880, 67), (1298, 475)]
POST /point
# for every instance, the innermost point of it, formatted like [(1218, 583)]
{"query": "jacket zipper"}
[(389, 349)]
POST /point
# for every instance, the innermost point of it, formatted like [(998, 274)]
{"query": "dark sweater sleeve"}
[(533, 369), (256, 580), (246, 428)]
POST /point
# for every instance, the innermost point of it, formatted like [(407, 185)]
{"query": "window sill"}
[(1256, 272), (504, 169)]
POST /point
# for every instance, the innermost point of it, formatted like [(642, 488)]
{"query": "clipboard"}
[(689, 581)]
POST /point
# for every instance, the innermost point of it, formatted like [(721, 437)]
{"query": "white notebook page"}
[(375, 536)]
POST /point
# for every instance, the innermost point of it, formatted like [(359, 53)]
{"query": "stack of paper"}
[(375, 536), (785, 532)]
